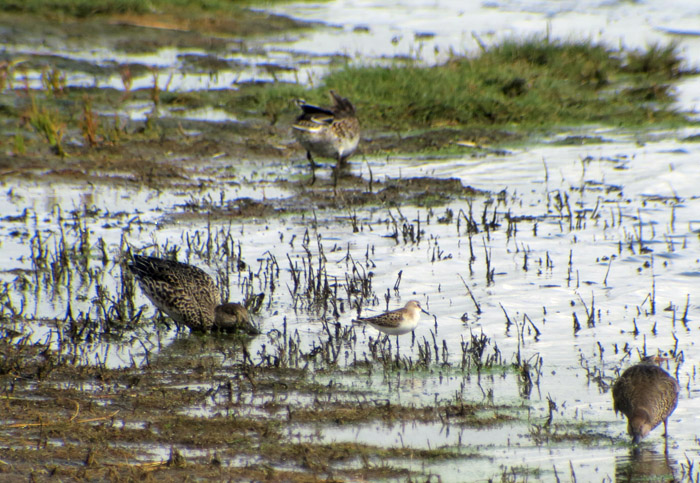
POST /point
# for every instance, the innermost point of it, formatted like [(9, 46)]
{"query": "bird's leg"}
[(398, 356), (336, 171), (340, 165), (313, 166)]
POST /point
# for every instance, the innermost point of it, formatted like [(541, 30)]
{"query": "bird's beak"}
[(424, 311)]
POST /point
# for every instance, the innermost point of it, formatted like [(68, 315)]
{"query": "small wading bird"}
[(189, 296), (396, 322), (647, 395), (329, 133)]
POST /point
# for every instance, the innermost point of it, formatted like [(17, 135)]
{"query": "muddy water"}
[(607, 228), (628, 253)]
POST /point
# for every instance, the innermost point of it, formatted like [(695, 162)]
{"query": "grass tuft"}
[(88, 8), (532, 82), (76, 8), (47, 123), (657, 59)]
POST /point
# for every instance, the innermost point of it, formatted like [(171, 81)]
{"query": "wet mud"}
[(116, 391)]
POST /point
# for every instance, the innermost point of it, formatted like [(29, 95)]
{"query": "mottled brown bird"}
[(646, 395), (328, 132), (189, 296)]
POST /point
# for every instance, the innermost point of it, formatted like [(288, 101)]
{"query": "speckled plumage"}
[(189, 296), (647, 395), (329, 133), (396, 322)]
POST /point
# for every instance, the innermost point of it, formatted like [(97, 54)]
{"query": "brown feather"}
[(188, 295), (646, 395)]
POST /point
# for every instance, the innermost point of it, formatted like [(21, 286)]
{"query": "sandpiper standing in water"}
[(396, 322), (647, 395), (189, 296), (329, 133)]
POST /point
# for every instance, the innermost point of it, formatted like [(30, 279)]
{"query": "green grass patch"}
[(535, 82), (87, 8), (77, 8), (219, 16)]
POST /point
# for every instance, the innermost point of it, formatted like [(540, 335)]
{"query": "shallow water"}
[(593, 263), (625, 246)]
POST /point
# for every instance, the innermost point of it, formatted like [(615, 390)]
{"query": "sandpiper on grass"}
[(189, 296), (330, 133), (396, 322), (647, 395)]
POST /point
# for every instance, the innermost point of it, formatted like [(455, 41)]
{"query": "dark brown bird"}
[(189, 296), (647, 395), (328, 132)]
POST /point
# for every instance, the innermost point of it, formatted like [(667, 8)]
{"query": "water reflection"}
[(644, 464), (227, 348)]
